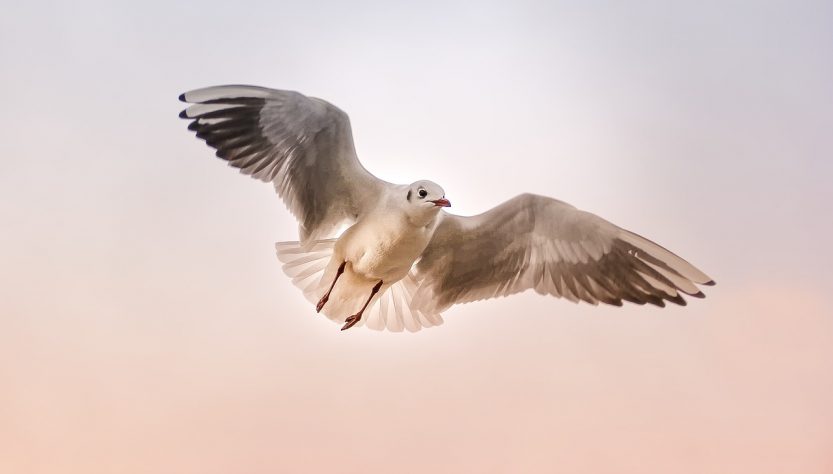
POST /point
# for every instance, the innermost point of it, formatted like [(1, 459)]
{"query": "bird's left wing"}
[(541, 243), (301, 144)]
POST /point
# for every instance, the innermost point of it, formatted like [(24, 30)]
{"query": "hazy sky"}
[(146, 327)]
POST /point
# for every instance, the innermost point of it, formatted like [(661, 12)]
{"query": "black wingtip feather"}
[(710, 283), (182, 97), (183, 115)]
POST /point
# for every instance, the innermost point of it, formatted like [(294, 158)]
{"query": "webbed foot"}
[(351, 321)]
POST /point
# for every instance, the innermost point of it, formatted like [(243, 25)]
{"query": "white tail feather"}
[(390, 309)]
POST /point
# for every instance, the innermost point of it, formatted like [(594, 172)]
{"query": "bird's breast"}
[(384, 252)]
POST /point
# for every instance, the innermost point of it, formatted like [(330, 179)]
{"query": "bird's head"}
[(424, 200)]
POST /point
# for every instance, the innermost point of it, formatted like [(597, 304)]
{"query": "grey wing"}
[(303, 145), (544, 244)]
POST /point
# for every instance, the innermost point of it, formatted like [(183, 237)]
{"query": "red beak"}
[(442, 202)]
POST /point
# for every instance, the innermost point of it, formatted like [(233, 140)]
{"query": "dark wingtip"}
[(678, 300), (182, 97), (183, 115), (710, 283), (699, 294)]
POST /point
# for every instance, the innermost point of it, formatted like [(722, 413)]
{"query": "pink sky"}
[(146, 327)]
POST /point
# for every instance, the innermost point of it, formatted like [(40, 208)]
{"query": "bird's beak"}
[(442, 202)]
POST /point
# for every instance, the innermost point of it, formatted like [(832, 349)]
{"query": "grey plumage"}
[(536, 242), (303, 145)]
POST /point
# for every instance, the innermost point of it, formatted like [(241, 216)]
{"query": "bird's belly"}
[(387, 259)]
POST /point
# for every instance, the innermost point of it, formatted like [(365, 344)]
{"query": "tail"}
[(306, 264), (390, 309)]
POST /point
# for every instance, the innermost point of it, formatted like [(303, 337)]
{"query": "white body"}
[(382, 246)]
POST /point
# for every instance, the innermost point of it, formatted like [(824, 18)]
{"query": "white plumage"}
[(402, 256)]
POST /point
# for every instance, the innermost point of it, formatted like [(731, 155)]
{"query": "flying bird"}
[(403, 259)]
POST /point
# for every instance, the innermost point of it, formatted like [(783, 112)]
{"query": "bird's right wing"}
[(303, 145), (541, 243)]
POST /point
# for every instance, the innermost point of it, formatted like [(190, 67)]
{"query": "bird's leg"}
[(326, 297), (352, 320)]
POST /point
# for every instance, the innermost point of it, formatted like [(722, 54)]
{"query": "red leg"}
[(326, 297), (352, 320)]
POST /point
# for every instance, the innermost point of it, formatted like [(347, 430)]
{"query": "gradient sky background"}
[(146, 327)]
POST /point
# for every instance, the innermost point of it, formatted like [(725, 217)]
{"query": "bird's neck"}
[(422, 219)]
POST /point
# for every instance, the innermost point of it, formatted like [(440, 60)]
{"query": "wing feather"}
[(535, 242), (303, 145)]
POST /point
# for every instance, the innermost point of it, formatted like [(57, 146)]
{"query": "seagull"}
[(388, 256)]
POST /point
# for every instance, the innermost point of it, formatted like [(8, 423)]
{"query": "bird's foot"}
[(351, 321), (321, 303)]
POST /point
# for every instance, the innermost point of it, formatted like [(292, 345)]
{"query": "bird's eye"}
[(422, 193)]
